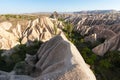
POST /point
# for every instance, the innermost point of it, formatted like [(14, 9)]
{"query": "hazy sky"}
[(27, 6)]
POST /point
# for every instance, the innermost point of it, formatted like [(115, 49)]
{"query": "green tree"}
[(69, 28)]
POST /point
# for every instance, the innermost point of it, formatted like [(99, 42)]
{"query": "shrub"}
[(104, 64), (55, 29)]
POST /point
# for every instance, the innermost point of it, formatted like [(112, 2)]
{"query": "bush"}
[(68, 27), (21, 68), (104, 64), (5, 65)]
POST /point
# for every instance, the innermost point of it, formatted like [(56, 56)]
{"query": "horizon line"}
[(45, 12)]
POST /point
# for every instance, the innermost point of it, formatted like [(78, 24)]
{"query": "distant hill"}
[(97, 12)]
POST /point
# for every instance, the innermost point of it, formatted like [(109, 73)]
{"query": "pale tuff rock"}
[(103, 34), (58, 23), (59, 59), (106, 34), (17, 31), (96, 27), (92, 38), (108, 45), (99, 32), (85, 30), (104, 21), (115, 28), (6, 25), (39, 29), (8, 39), (82, 29)]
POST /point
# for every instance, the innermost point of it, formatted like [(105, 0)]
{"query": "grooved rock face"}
[(98, 27), (42, 29), (108, 45), (7, 39), (6, 25), (90, 24), (59, 59)]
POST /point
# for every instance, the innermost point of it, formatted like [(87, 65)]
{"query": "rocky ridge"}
[(57, 59), (95, 27), (42, 29)]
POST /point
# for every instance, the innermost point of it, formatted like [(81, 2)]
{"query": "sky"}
[(31, 6)]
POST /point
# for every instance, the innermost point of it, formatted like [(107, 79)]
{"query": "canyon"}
[(73, 46)]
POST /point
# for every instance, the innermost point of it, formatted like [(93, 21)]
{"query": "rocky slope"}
[(57, 59), (96, 26), (42, 29)]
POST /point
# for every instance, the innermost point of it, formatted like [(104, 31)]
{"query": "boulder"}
[(8, 76)]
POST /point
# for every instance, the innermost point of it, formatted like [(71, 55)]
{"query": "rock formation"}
[(9, 76), (108, 45), (99, 34), (57, 59), (97, 26), (106, 20), (42, 29), (92, 38), (7, 39)]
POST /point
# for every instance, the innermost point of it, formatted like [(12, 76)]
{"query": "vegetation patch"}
[(7, 63)]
